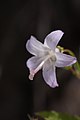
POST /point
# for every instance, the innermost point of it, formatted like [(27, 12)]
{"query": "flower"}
[(47, 57)]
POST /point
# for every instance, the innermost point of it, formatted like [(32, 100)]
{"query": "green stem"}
[(69, 52), (75, 69)]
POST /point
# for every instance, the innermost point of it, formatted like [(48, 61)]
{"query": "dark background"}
[(19, 19)]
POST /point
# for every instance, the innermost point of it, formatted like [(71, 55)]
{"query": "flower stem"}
[(75, 69)]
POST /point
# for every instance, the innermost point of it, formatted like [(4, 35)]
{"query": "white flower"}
[(47, 57)]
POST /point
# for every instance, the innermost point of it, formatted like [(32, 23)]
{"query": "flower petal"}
[(64, 60), (49, 74), (53, 38), (35, 47), (33, 64)]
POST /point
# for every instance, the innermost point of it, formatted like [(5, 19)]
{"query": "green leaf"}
[(57, 116)]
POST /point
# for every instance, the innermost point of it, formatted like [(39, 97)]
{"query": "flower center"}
[(50, 56)]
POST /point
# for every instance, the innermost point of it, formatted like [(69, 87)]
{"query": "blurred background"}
[(18, 21)]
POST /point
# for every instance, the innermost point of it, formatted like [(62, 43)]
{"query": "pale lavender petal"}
[(35, 47), (33, 62), (64, 60), (53, 38), (49, 74)]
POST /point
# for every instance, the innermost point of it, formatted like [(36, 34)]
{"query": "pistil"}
[(33, 72)]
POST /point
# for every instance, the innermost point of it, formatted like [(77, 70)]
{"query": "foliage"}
[(52, 115)]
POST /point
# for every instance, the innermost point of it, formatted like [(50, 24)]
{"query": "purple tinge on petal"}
[(35, 47), (49, 74), (64, 60), (53, 38), (33, 63)]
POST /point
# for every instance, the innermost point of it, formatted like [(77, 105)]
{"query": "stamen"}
[(33, 72), (39, 67), (42, 63)]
